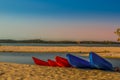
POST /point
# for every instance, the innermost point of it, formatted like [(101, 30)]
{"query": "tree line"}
[(61, 42)]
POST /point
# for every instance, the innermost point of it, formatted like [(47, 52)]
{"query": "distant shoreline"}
[(113, 52), (57, 42)]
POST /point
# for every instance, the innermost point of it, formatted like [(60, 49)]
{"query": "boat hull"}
[(99, 62), (40, 62), (62, 62), (77, 62), (52, 63)]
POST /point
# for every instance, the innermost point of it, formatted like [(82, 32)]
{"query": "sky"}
[(59, 19)]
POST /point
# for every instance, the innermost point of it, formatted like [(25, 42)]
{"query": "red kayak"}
[(52, 63), (62, 62), (40, 62)]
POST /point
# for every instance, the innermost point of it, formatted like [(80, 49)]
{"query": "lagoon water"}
[(26, 58), (50, 44)]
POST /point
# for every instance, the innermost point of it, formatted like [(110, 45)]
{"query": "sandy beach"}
[(12, 71), (112, 52)]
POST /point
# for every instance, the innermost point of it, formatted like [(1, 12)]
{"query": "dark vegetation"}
[(57, 42)]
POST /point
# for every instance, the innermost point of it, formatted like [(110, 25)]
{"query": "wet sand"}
[(12, 71), (113, 52)]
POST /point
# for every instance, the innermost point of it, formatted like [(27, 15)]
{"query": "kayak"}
[(77, 62), (52, 63), (40, 62), (62, 62), (99, 62)]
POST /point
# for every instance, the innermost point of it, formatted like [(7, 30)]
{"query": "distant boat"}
[(99, 62), (62, 62), (77, 62), (52, 63), (40, 62)]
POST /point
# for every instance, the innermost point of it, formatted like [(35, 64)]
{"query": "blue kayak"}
[(77, 62), (99, 62)]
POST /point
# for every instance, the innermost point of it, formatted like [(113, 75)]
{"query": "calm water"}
[(42, 44), (26, 57)]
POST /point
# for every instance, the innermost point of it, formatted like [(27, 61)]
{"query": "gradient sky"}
[(59, 19)]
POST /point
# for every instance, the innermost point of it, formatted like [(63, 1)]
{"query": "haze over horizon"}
[(59, 19)]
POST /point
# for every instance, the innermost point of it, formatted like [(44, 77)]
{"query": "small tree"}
[(118, 33)]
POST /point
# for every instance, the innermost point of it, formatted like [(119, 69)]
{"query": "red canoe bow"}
[(52, 63), (40, 62), (62, 62)]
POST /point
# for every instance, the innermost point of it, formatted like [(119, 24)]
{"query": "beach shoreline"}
[(109, 52), (14, 71)]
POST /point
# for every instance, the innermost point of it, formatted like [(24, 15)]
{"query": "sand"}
[(12, 71), (58, 49), (113, 52)]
